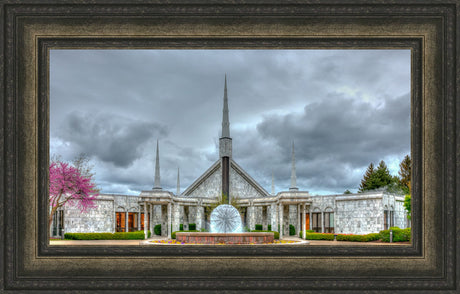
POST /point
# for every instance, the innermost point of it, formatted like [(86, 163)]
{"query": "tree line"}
[(380, 177)]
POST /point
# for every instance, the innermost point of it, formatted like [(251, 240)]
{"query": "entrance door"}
[(307, 221)]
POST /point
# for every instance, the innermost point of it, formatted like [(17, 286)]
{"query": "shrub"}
[(399, 235), (276, 235), (203, 230), (191, 227), (259, 227), (269, 227), (157, 229), (319, 236), (138, 235), (358, 238), (291, 230), (173, 234), (310, 231), (181, 227)]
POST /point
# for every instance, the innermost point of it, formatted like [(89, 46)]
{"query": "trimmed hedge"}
[(359, 238), (307, 231), (173, 234), (259, 227), (157, 229), (319, 236), (291, 230), (181, 227), (192, 227), (399, 235), (138, 235), (276, 235), (269, 227)]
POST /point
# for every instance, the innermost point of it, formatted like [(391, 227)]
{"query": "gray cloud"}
[(107, 137), (343, 108)]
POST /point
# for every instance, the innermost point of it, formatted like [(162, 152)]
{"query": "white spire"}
[(293, 175), (157, 184), (178, 183), (225, 120)]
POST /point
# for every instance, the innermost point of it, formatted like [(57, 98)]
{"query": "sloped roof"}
[(216, 166)]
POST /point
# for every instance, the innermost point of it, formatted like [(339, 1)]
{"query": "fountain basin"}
[(225, 238)]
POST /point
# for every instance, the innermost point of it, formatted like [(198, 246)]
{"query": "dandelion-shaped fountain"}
[(226, 219)]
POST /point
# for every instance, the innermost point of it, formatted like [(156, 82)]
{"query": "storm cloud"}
[(342, 108)]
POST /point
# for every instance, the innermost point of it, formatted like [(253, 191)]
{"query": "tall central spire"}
[(225, 120), (293, 174), (225, 141), (156, 184)]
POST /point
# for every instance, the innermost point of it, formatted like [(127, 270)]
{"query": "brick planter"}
[(225, 238)]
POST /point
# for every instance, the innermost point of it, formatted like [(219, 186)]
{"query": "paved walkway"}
[(146, 242)]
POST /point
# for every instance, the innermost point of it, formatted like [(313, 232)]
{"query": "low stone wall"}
[(225, 238)]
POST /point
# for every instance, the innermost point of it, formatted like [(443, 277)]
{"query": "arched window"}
[(385, 218), (121, 219), (329, 220)]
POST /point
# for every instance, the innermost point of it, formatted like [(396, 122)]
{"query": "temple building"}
[(360, 213)]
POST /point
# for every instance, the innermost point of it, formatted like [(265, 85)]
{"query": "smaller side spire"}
[(178, 183), (157, 184), (273, 183), (293, 173)]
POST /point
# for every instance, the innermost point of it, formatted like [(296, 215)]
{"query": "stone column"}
[(199, 217), (169, 220), (309, 215), (281, 208), (58, 221), (145, 220), (176, 217), (274, 217), (139, 219), (322, 222), (152, 209), (126, 220), (299, 218), (304, 227)]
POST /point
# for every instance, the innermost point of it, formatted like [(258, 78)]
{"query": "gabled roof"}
[(202, 178), (248, 178), (216, 166)]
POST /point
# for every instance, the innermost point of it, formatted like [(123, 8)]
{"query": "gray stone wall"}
[(240, 188), (359, 216), (96, 220), (211, 187)]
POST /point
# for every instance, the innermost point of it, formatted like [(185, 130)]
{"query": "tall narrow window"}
[(121, 222), (329, 222), (316, 221), (385, 219)]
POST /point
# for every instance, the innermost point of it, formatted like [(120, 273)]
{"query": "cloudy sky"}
[(342, 108)]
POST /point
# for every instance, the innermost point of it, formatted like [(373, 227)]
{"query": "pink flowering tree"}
[(68, 186)]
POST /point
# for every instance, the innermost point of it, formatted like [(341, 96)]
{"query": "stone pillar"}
[(322, 222), (126, 220), (299, 217), (139, 219), (274, 217), (252, 217), (145, 220), (151, 224), (169, 220), (304, 227), (176, 217), (58, 221), (164, 220), (281, 208), (310, 217), (199, 217)]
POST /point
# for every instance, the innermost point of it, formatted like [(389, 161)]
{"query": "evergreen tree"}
[(405, 174), (364, 182), (377, 178)]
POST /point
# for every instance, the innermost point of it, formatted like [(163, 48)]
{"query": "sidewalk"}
[(146, 242)]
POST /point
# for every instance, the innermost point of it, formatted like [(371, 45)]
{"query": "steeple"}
[(225, 120), (225, 142), (178, 183), (293, 175), (157, 184)]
